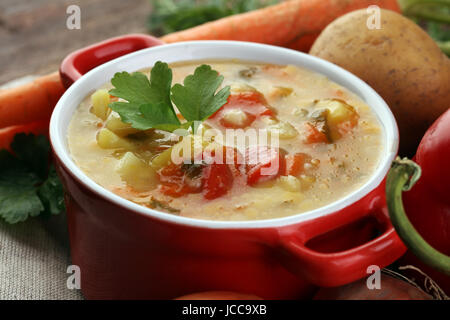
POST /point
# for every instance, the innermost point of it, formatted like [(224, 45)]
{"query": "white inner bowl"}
[(207, 50)]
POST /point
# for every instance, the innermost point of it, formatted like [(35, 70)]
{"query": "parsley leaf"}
[(51, 193), (197, 100), (33, 151), (149, 104), (18, 198), (155, 115), (25, 189)]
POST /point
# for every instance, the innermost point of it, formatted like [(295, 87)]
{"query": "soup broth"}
[(329, 143)]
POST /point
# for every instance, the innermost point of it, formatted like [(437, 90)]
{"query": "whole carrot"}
[(303, 42), (282, 24), (294, 24), (30, 102)]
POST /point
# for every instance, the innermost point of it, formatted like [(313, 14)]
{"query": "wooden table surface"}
[(34, 37)]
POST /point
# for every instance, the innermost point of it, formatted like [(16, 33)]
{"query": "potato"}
[(290, 183), (306, 181), (136, 173), (400, 61), (280, 92), (341, 112), (106, 139), (165, 158), (235, 117), (284, 130), (338, 113), (120, 128), (100, 101)]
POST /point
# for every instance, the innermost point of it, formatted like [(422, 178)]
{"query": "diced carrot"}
[(313, 135), (295, 164)]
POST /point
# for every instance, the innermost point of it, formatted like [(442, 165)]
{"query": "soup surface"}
[(322, 142)]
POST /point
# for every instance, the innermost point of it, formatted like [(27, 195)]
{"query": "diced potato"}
[(100, 101), (136, 173), (290, 70), (266, 184), (269, 121), (340, 112), (235, 117), (300, 112), (341, 117), (280, 92), (120, 128), (284, 129), (306, 181), (107, 139), (162, 160), (290, 183), (196, 142)]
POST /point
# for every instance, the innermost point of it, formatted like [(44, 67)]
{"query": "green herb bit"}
[(156, 204)]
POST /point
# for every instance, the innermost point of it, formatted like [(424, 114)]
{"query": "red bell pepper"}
[(218, 180), (427, 204), (213, 178), (176, 181)]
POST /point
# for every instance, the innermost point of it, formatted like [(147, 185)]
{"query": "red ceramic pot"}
[(128, 251), (81, 61)]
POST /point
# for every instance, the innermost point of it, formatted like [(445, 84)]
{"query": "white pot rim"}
[(201, 50)]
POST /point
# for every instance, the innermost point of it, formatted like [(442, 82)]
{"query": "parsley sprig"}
[(149, 102), (28, 187)]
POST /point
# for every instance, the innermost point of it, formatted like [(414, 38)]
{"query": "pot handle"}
[(81, 61), (339, 268)]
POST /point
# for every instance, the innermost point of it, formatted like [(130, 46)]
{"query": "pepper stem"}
[(403, 174)]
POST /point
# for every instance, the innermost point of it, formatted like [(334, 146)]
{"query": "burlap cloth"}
[(34, 256)]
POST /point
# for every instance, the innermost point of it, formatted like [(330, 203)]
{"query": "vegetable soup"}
[(316, 141)]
